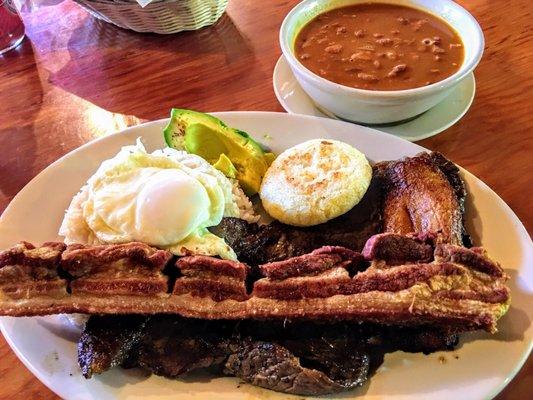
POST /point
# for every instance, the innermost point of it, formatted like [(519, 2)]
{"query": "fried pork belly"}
[(29, 278), (459, 287), (123, 269), (423, 194), (397, 249), (51, 278), (207, 276)]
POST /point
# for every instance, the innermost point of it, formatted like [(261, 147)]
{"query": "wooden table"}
[(76, 78)]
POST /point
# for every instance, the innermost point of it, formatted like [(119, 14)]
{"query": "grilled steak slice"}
[(259, 244), (293, 357), (423, 194), (420, 340), (273, 366), (107, 340), (172, 346)]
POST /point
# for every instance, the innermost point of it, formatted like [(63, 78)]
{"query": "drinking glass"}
[(11, 26)]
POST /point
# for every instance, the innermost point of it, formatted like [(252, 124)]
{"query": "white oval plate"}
[(295, 101), (477, 370)]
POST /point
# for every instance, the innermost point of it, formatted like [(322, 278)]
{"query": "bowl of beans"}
[(380, 62)]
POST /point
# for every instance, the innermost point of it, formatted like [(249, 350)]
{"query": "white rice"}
[(246, 208), (74, 227)]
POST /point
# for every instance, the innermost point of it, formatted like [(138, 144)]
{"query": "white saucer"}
[(295, 101)]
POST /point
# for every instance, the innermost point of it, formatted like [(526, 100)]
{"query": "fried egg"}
[(167, 199)]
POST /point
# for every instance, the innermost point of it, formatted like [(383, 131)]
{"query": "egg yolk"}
[(170, 207)]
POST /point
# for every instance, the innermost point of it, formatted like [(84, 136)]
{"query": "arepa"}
[(314, 182)]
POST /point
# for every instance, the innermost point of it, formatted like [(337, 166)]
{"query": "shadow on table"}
[(136, 73)]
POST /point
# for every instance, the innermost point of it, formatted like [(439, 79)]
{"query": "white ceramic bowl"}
[(375, 106)]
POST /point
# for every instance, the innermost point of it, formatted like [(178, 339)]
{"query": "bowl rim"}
[(453, 79)]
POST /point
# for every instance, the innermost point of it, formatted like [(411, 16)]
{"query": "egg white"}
[(167, 199)]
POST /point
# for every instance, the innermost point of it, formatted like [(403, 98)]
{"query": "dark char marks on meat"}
[(257, 244), (305, 358)]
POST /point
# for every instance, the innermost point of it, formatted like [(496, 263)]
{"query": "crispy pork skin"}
[(123, 269), (29, 273)]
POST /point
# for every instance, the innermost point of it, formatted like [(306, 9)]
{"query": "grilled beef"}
[(107, 341), (259, 244), (274, 367), (293, 357), (172, 346)]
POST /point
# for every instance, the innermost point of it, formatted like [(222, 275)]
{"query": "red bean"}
[(361, 56), (396, 70), (333, 49), (367, 77), (341, 29), (384, 41)]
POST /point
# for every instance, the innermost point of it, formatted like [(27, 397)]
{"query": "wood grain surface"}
[(76, 78)]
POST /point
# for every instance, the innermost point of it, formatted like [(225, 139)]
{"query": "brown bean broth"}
[(378, 46)]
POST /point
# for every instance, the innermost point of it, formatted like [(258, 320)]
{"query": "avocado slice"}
[(232, 151), (225, 165), (180, 120)]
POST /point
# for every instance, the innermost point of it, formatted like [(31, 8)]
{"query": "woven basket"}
[(161, 16)]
